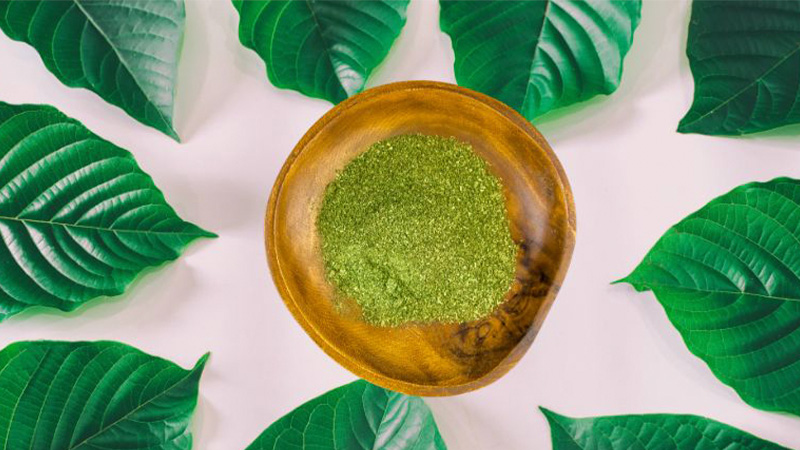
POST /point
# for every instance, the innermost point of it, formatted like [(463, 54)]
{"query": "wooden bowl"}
[(437, 359)]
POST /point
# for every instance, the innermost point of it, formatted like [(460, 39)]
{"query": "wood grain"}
[(437, 359)]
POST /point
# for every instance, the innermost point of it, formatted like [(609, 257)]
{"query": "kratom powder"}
[(415, 229)]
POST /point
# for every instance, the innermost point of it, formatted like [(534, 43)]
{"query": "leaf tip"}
[(689, 123), (622, 280), (208, 234), (550, 415), (201, 363), (196, 232), (172, 133), (638, 281), (698, 125)]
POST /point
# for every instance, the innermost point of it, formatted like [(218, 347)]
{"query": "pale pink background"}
[(602, 350)]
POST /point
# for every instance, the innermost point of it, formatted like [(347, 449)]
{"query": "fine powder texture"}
[(415, 229)]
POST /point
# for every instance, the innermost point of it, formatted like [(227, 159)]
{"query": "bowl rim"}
[(289, 301)]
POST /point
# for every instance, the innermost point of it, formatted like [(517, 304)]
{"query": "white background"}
[(602, 350)]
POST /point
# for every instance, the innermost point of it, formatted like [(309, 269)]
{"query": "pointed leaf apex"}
[(173, 134), (378, 22), (722, 270), (152, 413), (142, 65), (565, 73), (201, 363), (208, 234), (685, 127), (551, 415), (622, 280), (135, 220), (728, 94)]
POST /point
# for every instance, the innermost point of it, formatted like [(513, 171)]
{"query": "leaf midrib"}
[(22, 392), (96, 228), (325, 45), (383, 417), (536, 53), (134, 410), (650, 286), (745, 89), (122, 61)]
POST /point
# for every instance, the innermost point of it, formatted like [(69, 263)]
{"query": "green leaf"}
[(744, 57), (78, 218), (356, 416), (94, 395), (540, 55), (728, 277), (650, 432), (323, 49), (126, 51)]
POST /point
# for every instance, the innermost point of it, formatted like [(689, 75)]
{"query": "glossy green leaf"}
[(356, 416), (323, 49), (745, 59), (650, 432), (728, 277), (540, 55), (126, 51), (92, 396), (78, 218)]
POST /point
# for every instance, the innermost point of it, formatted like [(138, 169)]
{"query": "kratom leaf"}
[(126, 51), (728, 277), (94, 395), (744, 57), (78, 218), (323, 49), (540, 55), (650, 432), (356, 416)]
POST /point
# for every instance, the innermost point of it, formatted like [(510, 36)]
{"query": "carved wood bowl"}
[(433, 359)]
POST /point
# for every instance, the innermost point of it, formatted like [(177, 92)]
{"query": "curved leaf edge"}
[(608, 88), (193, 374), (556, 421), (73, 306), (76, 307), (689, 124), (198, 367), (169, 128), (642, 286), (362, 387), (717, 374), (201, 232), (285, 86), (273, 80)]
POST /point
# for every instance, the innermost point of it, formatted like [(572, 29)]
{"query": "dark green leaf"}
[(728, 277), (78, 218), (745, 59), (126, 51), (324, 49), (94, 395), (650, 432), (356, 416), (540, 55)]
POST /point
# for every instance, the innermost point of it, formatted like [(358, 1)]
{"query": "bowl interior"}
[(437, 359)]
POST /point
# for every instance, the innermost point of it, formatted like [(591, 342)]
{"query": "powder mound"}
[(415, 229)]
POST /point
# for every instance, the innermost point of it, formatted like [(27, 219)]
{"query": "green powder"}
[(415, 230)]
